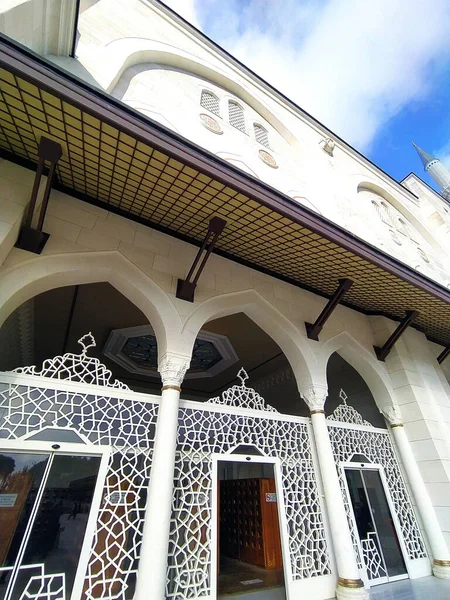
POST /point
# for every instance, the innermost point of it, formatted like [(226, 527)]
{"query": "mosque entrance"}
[(379, 542), (45, 503), (248, 533)]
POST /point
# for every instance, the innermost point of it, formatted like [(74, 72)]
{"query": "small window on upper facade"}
[(236, 115), (211, 102), (261, 135)]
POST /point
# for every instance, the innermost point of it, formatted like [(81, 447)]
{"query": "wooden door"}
[(249, 529), (270, 525)]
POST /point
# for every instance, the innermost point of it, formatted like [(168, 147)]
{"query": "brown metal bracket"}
[(384, 351), (443, 355), (313, 329), (186, 287), (31, 239)]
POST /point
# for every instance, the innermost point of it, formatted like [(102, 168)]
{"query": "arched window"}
[(210, 101), (386, 217), (236, 115), (261, 135)]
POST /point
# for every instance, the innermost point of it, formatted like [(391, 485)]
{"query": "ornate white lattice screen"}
[(211, 102), (376, 446), (125, 424), (208, 430)]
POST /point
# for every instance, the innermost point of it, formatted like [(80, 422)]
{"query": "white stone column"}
[(349, 584), (152, 571), (433, 531)]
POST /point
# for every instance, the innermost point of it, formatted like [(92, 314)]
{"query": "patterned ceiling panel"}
[(106, 165)]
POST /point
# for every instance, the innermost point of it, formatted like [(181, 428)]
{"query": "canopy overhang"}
[(120, 160)]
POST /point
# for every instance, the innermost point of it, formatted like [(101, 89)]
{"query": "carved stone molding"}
[(393, 415), (314, 396), (274, 379), (172, 368), (25, 318)]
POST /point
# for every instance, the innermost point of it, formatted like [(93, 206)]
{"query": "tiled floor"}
[(425, 588), (237, 577)]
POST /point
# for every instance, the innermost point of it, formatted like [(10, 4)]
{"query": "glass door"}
[(380, 546), (45, 500)]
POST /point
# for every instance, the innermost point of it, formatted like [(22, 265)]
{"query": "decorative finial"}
[(242, 375), (343, 396), (87, 341)]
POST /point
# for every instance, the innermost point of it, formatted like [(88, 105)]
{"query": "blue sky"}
[(376, 72)]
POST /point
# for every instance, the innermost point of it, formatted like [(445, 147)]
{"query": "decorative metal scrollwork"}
[(127, 425), (206, 431), (241, 396), (347, 414), (76, 367), (377, 447), (372, 557)]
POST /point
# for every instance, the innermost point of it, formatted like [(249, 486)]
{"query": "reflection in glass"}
[(44, 539), (58, 531), (384, 524), (20, 477), (374, 520)]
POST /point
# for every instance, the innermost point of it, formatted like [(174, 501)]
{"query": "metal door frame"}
[(52, 449), (282, 524), (355, 466)]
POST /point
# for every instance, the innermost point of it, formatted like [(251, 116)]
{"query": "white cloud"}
[(444, 155), (352, 64)]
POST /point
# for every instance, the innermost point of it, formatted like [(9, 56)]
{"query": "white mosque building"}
[(224, 332)]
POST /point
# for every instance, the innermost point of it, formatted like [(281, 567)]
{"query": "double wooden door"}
[(249, 529)]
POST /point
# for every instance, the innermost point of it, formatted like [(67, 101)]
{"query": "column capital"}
[(393, 415), (314, 396), (172, 368)]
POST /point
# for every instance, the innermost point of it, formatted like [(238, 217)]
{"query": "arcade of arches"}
[(271, 460), (58, 318)]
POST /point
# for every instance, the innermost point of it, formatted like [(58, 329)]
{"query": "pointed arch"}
[(38, 275), (364, 184), (365, 363), (123, 53), (291, 341)]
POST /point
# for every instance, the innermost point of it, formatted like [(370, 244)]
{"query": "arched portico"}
[(38, 275), (267, 317), (362, 360)]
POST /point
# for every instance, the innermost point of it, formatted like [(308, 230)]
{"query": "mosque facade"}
[(224, 332)]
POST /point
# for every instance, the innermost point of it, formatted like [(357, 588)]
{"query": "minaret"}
[(436, 169)]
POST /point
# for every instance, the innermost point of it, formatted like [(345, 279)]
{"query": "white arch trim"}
[(364, 183), (277, 326), (121, 54), (44, 273), (367, 365)]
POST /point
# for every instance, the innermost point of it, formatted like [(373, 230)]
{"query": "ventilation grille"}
[(236, 115), (210, 102), (261, 135)]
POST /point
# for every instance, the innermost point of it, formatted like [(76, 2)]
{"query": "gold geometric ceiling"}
[(107, 164)]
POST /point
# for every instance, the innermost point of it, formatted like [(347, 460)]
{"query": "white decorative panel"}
[(376, 446), (206, 431), (125, 424), (344, 413), (372, 557), (76, 367)]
